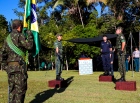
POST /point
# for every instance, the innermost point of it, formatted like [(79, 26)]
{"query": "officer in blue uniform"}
[(106, 49)]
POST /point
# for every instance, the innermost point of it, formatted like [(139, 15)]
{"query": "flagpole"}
[(139, 50), (38, 62), (132, 54)]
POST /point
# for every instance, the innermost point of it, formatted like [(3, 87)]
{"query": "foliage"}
[(3, 29), (77, 49), (80, 19)]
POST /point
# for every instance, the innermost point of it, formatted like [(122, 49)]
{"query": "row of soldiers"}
[(14, 53)]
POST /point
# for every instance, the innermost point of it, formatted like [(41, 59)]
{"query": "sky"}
[(7, 6), (6, 9)]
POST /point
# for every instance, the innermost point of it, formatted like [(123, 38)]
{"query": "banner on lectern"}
[(85, 66)]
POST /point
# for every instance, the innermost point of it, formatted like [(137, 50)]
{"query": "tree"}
[(76, 8), (3, 29)]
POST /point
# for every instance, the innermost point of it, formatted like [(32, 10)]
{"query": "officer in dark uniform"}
[(105, 51), (14, 47), (121, 52), (58, 57)]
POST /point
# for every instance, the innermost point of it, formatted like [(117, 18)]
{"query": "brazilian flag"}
[(30, 23)]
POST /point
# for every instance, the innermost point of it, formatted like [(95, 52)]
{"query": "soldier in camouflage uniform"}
[(16, 66), (58, 57), (121, 52)]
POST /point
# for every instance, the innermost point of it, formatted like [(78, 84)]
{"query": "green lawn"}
[(83, 89)]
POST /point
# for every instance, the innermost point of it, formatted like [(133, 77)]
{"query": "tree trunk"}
[(42, 22), (120, 17), (80, 15), (51, 61), (67, 66)]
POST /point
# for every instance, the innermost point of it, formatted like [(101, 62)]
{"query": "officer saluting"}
[(121, 51), (106, 49), (58, 57), (14, 47)]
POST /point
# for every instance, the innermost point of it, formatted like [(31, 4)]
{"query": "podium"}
[(103, 78), (85, 66), (57, 83), (127, 85)]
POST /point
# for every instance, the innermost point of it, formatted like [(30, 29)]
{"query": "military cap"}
[(119, 27), (58, 34), (16, 23)]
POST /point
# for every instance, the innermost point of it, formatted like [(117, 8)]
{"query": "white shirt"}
[(136, 54)]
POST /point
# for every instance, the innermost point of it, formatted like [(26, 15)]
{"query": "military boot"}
[(58, 77), (106, 73), (122, 79)]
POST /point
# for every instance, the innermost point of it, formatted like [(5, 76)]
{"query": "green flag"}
[(30, 23)]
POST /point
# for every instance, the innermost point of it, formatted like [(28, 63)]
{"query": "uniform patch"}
[(121, 37)]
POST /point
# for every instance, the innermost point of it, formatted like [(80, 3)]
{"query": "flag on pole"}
[(30, 23)]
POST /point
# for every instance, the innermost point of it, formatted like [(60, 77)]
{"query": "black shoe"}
[(110, 74), (105, 74), (121, 80), (59, 78)]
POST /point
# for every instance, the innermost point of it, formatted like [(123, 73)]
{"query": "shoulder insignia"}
[(121, 37)]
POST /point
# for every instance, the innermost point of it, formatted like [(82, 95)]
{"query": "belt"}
[(14, 63), (104, 53)]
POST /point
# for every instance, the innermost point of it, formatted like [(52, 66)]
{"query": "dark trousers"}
[(106, 62), (17, 81), (58, 65), (136, 61)]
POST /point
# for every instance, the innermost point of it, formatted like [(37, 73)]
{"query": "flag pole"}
[(132, 54), (139, 50)]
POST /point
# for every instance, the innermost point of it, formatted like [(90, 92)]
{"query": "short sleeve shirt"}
[(120, 39), (58, 44), (136, 54)]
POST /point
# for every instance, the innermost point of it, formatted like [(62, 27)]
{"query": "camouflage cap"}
[(58, 34), (16, 23), (119, 27)]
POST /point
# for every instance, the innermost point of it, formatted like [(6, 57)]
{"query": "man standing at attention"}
[(106, 49), (121, 51), (15, 47), (58, 57)]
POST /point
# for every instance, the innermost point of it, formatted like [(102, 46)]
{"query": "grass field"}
[(83, 89)]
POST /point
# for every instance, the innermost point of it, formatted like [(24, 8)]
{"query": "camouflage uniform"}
[(58, 57), (17, 73), (121, 58)]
